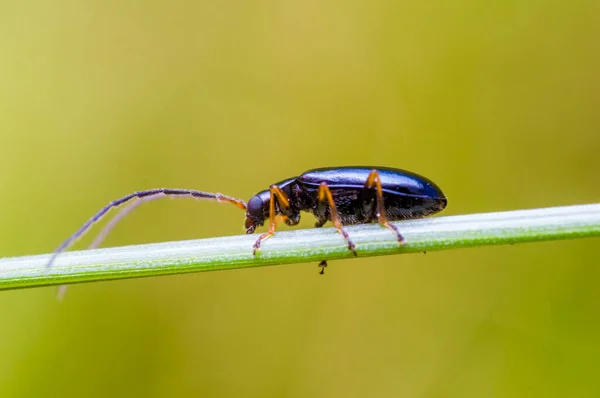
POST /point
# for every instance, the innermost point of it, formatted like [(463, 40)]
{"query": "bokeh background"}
[(496, 101)]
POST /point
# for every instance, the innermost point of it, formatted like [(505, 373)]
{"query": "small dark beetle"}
[(342, 195)]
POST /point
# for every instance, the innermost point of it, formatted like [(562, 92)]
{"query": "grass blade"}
[(308, 245)]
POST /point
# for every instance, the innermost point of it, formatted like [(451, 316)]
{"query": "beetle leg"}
[(320, 223), (374, 181), (325, 197), (284, 206), (323, 265)]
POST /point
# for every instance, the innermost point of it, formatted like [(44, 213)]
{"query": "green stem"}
[(299, 246)]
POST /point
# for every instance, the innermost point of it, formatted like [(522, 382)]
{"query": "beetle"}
[(342, 195)]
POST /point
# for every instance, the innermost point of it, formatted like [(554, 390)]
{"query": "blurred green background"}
[(496, 101)]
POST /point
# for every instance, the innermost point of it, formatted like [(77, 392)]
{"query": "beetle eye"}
[(255, 206)]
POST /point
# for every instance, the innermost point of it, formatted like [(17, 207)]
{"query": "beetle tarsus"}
[(260, 239), (323, 265), (401, 239), (352, 247)]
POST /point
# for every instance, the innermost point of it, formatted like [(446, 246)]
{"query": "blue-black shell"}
[(406, 195), (393, 181)]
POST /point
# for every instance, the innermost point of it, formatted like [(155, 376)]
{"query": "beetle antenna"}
[(118, 217), (142, 196)]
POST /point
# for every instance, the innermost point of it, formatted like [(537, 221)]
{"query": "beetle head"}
[(257, 211)]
